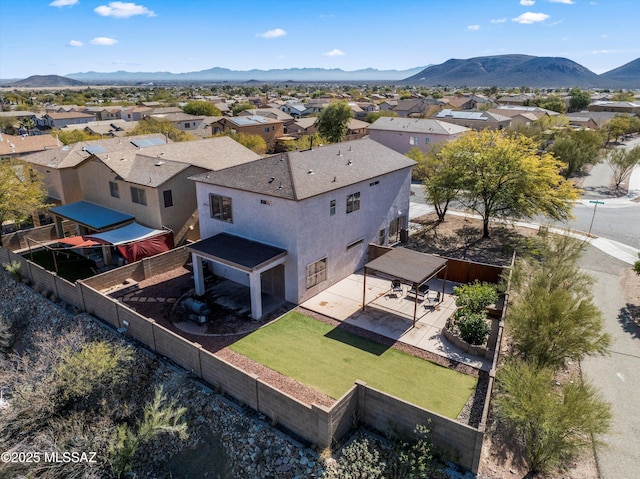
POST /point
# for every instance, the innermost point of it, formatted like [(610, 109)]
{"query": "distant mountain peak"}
[(42, 81)]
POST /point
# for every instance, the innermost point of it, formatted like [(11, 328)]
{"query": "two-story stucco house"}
[(402, 134), (294, 223)]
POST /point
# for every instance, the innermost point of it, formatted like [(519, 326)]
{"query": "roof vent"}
[(280, 187), (272, 179), (160, 163), (349, 163), (334, 179), (310, 172), (339, 153)]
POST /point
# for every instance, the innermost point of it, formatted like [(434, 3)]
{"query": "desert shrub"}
[(476, 296), (473, 327), (13, 269), (552, 423), (160, 416)]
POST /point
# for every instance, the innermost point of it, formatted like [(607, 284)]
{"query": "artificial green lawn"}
[(330, 359)]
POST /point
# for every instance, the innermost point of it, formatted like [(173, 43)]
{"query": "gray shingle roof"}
[(297, 175), (416, 125)]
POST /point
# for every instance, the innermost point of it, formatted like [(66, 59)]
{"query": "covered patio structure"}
[(409, 267), (244, 257)]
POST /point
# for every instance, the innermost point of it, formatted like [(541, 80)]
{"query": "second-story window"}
[(168, 198), (353, 202), (113, 189), (332, 207), (138, 196), (220, 208)]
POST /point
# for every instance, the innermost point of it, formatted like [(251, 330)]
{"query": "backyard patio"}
[(390, 314)]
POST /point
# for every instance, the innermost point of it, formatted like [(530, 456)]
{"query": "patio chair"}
[(421, 292), (396, 288), (434, 298)]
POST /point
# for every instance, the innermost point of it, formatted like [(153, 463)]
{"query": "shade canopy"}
[(408, 265), (94, 217)]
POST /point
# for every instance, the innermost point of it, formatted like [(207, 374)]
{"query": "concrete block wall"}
[(182, 351), (167, 261), (99, 305), (235, 382), (344, 414), (458, 442), (42, 279), (296, 416), (116, 276), (67, 291), (139, 327)]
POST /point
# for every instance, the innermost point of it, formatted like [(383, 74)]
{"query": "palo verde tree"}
[(553, 423), (622, 162), (577, 149), (22, 191), (333, 121), (502, 176), (578, 99), (552, 316), (201, 108), (440, 178)]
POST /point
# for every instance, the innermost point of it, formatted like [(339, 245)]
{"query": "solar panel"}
[(94, 149), (143, 143)]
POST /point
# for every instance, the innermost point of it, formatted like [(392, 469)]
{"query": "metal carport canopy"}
[(92, 216), (406, 265)]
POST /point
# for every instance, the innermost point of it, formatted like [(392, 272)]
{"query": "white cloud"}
[(104, 41), (599, 52), (75, 43), (530, 17), (527, 3), (275, 33), (473, 28), (334, 53), (499, 20), (566, 2), (123, 10), (603, 36), (63, 3)]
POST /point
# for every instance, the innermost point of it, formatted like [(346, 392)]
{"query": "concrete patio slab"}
[(391, 315)]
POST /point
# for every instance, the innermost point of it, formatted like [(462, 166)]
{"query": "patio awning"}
[(78, 242), (127, 234), (92, 216), (237, 252), (409, 266)]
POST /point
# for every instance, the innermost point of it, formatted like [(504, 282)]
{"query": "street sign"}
[(595, 206), (596, 202)]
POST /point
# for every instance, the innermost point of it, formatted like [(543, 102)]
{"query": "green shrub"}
[(473, 326), (476, 296)]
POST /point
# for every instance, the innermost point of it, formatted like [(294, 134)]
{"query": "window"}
[(316, 272), (113, 189), (427, 140), (355, 243), (374, 183), (138, 196), (187, 125), (266, 129), (414, 140), (265, 202), (332, 207), (221, 208), (381, 236), (353, 202), (168, 198)]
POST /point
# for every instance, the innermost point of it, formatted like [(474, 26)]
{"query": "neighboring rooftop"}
[(416, 125)]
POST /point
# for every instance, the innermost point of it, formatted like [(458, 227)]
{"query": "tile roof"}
[(416, 125), (297, 175), (14, 145)]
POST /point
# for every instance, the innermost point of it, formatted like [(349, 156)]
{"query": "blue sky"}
[(69, 36)]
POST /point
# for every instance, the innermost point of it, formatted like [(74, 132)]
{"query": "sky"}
[(60, 37)]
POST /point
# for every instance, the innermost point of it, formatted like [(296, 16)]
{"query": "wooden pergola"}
[(409, 267)]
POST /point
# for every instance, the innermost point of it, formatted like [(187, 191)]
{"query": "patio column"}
[(198, 274), (255, 285)]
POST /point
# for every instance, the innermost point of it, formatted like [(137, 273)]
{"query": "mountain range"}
[(218, 74), (519, 70), (487, 71)]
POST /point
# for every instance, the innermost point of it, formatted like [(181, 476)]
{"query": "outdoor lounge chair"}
[(422, 291)]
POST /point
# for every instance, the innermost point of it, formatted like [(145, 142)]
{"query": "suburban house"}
[(60, 120), (616, 107), (418, 107), (294, 223), (476, 120), (182, 121), (590, 119), (141, 176), (306, 126), (152, 183), (102, 113), (13, 145), (295, 109), (136, 113), (402, 134), (58, 166), (105, 127), (267, 128)]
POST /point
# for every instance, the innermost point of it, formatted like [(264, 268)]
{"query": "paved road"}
[(617, 376)]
